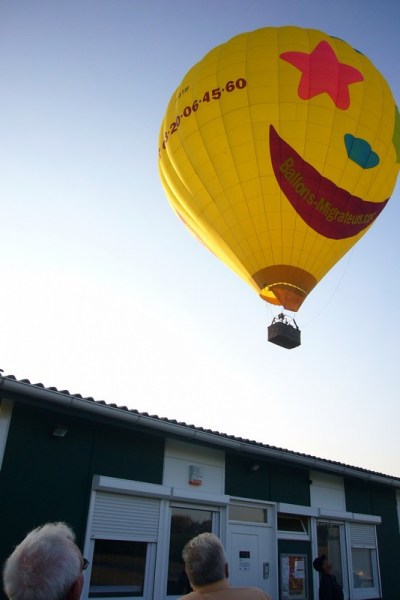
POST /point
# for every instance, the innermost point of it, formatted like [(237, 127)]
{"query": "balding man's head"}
[(205, 560)]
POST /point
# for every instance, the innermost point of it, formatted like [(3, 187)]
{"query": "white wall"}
[(178, 458), (327, 492)]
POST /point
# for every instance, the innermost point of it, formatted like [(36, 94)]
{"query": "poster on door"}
[(293, 576)]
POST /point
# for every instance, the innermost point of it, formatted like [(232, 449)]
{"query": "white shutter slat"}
[(125, 517), (362, 535)]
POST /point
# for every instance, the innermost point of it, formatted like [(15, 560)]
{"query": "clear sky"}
[(104, 292)]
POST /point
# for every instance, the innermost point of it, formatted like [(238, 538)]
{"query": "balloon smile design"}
[(342, 216)]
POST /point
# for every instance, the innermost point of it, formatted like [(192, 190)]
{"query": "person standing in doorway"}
[(329, 589)]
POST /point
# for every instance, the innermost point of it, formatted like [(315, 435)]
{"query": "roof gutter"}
[(192, 434)]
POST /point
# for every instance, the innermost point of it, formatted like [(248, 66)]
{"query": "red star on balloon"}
[(322, 73)]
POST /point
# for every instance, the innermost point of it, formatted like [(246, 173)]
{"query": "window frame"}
[(370, 552), (305, 523), (215, 528), (247, 505), (344, 551), (149, 570), (370, 592)]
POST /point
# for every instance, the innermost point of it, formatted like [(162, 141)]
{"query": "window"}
[(186, 523), (292, 523), (250, 514), (363, 576), (118, 569), (364, 560)]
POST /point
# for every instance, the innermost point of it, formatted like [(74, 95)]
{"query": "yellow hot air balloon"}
[(278, 151)]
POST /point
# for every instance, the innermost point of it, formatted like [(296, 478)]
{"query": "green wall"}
[(274, 481), (381, 501), (44, 478), (297, 547)]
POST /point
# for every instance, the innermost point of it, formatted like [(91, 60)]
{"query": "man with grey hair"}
[(46, 565), (207, 570)]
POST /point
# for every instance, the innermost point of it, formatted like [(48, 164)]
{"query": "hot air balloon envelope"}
[(278, 151)]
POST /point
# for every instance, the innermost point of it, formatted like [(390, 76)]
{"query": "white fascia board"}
[(373, 519), (335, 514), (349, 516), (253, 502), (309, 511), (130, 487), (214, 499), (140, 488), (298, 509)]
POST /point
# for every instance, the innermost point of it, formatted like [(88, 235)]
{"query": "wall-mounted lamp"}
[(59, 431)]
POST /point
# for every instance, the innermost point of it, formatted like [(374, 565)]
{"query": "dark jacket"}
[(329, 589)]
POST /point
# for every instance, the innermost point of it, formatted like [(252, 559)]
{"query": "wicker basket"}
[(284, 335)]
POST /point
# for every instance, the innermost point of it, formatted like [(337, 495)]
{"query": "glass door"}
[(185, 523), (331, 541)]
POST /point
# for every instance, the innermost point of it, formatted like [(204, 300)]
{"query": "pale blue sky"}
[(103, 291)]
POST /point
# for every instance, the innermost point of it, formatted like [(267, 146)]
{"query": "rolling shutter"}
[(362, 535), (124, 517)]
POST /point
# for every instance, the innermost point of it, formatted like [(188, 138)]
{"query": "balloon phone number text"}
[(208, 96)]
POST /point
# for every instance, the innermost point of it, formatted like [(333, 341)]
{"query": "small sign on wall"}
[(195, 475)]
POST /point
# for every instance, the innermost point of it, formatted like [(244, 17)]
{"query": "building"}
[(136, 487)]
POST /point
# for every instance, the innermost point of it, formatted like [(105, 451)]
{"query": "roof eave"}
[(191, 433)]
